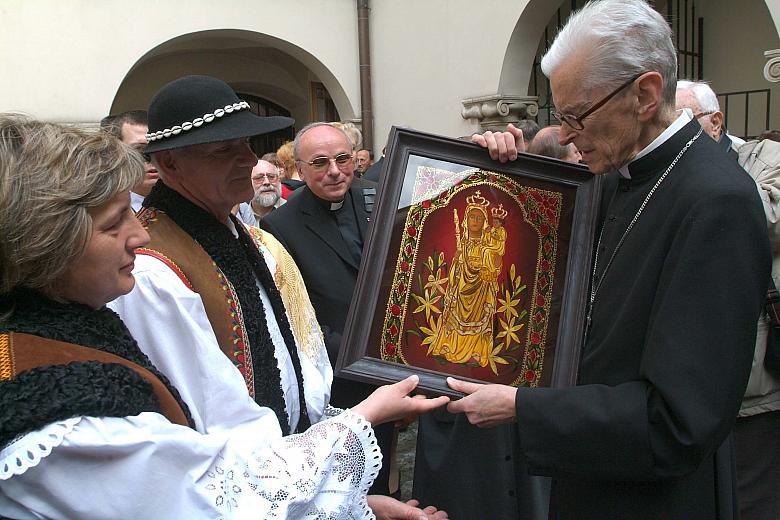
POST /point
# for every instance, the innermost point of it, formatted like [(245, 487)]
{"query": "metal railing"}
[(730, 105)]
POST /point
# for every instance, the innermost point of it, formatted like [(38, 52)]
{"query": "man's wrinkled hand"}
[(388, 508), (502, 146), (484, 405)]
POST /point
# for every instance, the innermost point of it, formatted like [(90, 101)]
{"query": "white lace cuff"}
[(27, 451)]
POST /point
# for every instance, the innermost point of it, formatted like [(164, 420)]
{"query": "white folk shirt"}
[(235, 465), (169, 322), (145, 467)]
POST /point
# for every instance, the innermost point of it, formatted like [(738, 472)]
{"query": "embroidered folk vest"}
[(54, 380), (198, 272)]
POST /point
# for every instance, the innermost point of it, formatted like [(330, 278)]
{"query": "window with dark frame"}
[(263, 144)]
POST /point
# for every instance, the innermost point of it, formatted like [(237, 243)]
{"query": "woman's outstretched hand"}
[(392, 402)]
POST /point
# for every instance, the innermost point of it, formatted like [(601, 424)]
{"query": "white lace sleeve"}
[(145, 467), (332, 411)]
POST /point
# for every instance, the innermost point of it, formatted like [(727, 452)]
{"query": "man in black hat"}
[(214, 284)]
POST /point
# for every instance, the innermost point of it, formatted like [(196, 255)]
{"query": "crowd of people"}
[(171, 306)]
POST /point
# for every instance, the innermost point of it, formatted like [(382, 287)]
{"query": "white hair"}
[(621, 38), (705, 96)]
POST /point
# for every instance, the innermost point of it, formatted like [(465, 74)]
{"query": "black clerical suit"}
[(309, 230), (646, 432), (373, 171), (727, 145), (326, 245)]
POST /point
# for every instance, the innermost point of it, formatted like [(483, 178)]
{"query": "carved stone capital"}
[(495, 111), (772, 67)]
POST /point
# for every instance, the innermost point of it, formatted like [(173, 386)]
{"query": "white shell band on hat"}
[(198, 121)]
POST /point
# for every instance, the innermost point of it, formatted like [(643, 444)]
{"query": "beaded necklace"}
[(595, 286)]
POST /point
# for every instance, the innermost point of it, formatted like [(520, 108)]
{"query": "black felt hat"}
[(201, 109)]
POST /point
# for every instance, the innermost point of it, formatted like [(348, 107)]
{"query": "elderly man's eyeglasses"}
[(320, 163), (270, 176), (576, 121)]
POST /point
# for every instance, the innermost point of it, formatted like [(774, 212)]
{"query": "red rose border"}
[(541, 210)]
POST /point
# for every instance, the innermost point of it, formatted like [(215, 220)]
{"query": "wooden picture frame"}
[(457, 237)]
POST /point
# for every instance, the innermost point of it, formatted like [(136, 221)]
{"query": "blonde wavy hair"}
[(51, 176), (353, 133), (286, 158)]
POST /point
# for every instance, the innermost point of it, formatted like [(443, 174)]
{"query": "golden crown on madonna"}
[(477, 200), (499, 212)]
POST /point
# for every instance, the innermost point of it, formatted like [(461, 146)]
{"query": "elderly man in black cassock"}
[(681, 263)]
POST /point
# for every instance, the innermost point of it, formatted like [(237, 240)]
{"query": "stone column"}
[(772, 67), (495, 111)]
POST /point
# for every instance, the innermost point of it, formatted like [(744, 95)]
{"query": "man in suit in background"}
[(323, 227), (131, 128), (363, 160)]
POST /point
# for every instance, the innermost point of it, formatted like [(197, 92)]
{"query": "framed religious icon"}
[(472, 268)]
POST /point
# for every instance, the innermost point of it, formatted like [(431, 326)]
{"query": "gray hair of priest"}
[(302, 131), (705, 96), (619, 39)]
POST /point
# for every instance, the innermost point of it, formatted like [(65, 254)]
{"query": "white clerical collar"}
[(335, 206), (136, 201), (683, 119)]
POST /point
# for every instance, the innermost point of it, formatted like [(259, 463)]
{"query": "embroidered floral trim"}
[(6, 363), (329, 468), (29, 450), (300, 312), (331, 411), (241, 356), (146, 215), (167, 261)]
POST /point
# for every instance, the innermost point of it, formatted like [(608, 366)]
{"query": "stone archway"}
[(254, 63), (512, 102), (772, 67), (521, 50), (774, 12), (518, 64), (523, 44)]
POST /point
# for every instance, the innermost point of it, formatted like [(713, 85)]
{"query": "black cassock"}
[(475, 472), (646, 434)]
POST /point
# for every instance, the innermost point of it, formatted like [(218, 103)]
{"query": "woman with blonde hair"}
[(291, 178), (353, 132), (89, 428)]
